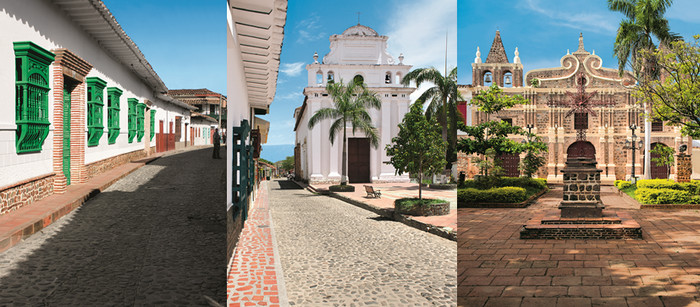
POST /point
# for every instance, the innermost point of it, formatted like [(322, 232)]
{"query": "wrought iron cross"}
[(580, 102)]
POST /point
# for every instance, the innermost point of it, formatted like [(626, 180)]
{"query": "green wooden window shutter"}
[(132, 118), (113, 96), (31, 95), (140, 113), (153, 123), (95, 100)]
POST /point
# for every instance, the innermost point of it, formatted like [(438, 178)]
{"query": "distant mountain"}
[(276, 153)]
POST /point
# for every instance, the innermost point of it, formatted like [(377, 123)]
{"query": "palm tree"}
[(443, 97), (350, 104), (645, 19)]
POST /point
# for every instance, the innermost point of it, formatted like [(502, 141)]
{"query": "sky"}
[(543, 30), (415, 28), (184, 40)]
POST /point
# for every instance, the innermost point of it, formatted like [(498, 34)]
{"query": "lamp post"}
[(633, 145)]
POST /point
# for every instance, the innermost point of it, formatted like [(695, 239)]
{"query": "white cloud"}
[(292, 69), (309, 29), (291, 95), (418, 28), (685, 10), (573, 17)]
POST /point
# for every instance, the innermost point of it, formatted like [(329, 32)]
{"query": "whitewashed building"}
[(77, 98), (358, 54)]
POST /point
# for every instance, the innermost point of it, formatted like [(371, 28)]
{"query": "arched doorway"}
[(581, 149), (509, 162), (658, 171)]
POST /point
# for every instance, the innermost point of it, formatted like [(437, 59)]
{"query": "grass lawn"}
[(630, 191)]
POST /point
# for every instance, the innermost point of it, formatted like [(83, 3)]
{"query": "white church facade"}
[(358, 54)]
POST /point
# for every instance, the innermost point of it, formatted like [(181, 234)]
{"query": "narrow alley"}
[(155, 237)]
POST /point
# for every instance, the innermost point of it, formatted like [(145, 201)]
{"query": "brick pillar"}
[(60, 181), (684, 168), (78, 136)]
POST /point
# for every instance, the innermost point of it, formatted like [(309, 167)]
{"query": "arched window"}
[(331, 77), (387, 78), (319, 77), (487, 78), (398, 78), (508, 79), (358, 79)]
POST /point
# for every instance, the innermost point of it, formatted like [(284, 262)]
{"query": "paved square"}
[(497, 268)]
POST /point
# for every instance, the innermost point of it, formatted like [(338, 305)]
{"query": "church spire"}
[(497, 54), (581, 50)]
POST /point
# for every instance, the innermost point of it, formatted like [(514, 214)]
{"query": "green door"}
[(66, 134)]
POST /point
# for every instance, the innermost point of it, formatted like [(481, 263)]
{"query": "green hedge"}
[(483, 183), (691, 187), (493, 195), (662, 196), (622, 184)]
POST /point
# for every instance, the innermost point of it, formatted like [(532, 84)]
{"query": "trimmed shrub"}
[(662, 196), (624, 184), (690, 187), (493, 195), (695, 200), (342, 188)]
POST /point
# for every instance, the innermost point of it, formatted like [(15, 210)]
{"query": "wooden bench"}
[(371, 192)]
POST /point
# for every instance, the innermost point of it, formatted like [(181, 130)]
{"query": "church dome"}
[(360, 30)]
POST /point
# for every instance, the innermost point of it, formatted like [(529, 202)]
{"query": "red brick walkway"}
[(496, 268), (394, 191), (17, 225), (252, 278)]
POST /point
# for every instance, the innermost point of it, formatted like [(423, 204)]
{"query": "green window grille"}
[(243, 163), (132, 118), (140, 114), (32, 99), (113, 96), (95, 101), (153, 123)]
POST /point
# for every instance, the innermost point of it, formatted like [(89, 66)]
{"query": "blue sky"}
[(544, 29), (184, 40), (415, 28)]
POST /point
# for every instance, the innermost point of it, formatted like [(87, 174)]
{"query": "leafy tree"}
[(287, 164), (442, 98), (493, 134), (418, 148), (534, 158), (674, 97), (350, 104), (266, 161), (645, 20), (665, 157)]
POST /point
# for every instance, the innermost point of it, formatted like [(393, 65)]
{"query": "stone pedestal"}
[(581, 189), (684, 168)]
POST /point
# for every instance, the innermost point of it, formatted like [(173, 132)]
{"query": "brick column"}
[(684, 168), (78, 136), (60, 181)]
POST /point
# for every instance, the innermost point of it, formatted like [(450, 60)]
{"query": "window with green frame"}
[(153, 123), (113, 96), (140, 114), (132, 118), (95, 101), (31, 95)]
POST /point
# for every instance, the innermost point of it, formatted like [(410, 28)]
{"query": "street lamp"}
[(634, 146)]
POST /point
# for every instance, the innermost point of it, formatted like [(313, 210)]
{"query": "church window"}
[(398, 78), (132, 118), (487, 78), (319, 77), (508, 120), (113, 95), (657, 125), (580, 121), (95, 105), (331, 77), (31, 96), (358, 79), (508, 79), (387, 78)]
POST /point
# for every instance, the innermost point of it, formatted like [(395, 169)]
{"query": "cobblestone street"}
[(333, 253), (155, 237)]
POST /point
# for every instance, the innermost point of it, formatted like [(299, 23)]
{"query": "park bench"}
[(371, 192)]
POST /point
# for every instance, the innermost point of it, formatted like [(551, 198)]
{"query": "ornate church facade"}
[(554, 111), (357, 55)]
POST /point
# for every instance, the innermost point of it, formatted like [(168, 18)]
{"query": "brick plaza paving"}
[(155, 237), (496, 268), (394, 191), (333, 253)]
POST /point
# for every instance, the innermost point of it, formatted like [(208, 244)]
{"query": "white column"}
[(336, 152), (315, 146), (386, 170)]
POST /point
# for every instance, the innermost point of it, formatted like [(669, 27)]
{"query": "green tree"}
[(494, 134), (664, 157), (442, 98), (418, 148), (534, 155), (350, 104), (674, 97), (645, 21), (287, 164)]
